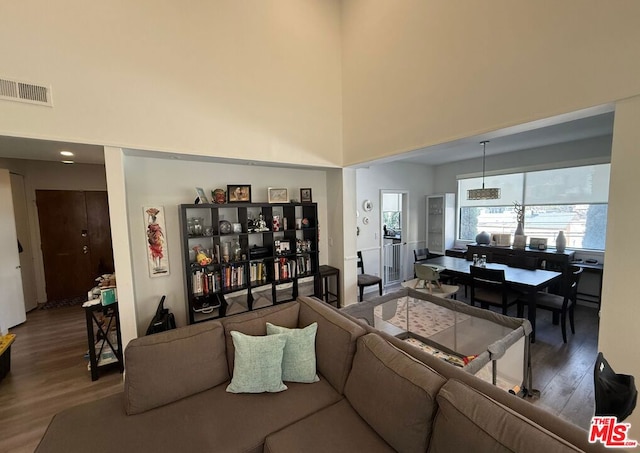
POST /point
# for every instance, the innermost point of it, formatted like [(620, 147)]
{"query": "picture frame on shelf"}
[(282, 247), (239, 193), (202, 198), (305, 195), (277, 195)]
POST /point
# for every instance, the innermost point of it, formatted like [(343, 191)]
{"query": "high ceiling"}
[(508, 140)]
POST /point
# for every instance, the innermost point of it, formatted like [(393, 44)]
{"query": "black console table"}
[(99, 341)]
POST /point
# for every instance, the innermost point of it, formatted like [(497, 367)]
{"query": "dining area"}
[(519, 282)]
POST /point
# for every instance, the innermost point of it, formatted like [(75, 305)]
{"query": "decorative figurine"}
[(261, 225), (219, 196)]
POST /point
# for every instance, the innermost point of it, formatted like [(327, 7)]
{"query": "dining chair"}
[(429, 280), (488, 287), (420, 255), (365, 280), (560, 305)]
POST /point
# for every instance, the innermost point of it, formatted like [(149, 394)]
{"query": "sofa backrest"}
[(168, 366), (394, 393), (255, 323), (335, 339), (469, 420)]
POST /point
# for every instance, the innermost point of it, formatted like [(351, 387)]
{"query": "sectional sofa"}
[(374, 394)]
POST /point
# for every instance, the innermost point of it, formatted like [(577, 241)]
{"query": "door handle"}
[(85, 249)]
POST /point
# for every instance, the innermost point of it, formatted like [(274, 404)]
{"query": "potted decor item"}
[(483, 238), (561, 242), (519, 210)]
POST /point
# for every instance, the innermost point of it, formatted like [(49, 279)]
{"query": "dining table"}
[(526, 281)]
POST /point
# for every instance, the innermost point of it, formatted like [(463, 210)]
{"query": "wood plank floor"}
[(49, 373)]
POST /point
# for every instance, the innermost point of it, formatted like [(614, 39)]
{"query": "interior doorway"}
[(27, 267), (393, 218), (75, 239)]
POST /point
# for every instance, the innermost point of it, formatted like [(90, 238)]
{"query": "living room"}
[(298, 83)]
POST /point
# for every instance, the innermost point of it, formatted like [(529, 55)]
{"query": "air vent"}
[(15, 90)]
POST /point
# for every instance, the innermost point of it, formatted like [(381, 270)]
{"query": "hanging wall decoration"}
[(157, 252)]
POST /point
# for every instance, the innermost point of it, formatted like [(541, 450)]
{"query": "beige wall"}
[(619, 334), (418, 73), (259, 80)]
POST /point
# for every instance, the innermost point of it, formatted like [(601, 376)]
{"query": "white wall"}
[(619, 335), (256, 80), (418, 73), (46, 175), (576, 152), (168, 182), (418, 180)]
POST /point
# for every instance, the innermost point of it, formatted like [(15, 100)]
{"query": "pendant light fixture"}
[(490, 193)]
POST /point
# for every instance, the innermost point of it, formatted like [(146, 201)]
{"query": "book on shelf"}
[(283, 269)]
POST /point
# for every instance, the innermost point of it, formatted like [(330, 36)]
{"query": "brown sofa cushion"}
[(335, 339), (255, 323), (335, 429), (211, 421), (471, 421), (393, 393), (168, 366)]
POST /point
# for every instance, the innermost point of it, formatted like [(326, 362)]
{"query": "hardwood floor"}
[(48, 374), (564, 372)]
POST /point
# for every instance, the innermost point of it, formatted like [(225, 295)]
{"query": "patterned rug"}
[(425, 318), (57, 303)]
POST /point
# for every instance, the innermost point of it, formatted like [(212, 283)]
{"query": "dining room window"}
[(572, 199)]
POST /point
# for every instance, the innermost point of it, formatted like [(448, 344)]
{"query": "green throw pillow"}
[(299, 360), (258, 363)]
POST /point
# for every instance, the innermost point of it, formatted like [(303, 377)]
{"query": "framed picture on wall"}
[(157, 252), (305, 195)]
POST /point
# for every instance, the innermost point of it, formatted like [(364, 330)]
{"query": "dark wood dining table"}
[(527, 281)]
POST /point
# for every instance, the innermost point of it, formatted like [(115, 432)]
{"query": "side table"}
[(325, 293), (5, 353), (102, 350)]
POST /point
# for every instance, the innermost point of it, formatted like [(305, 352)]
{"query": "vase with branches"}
[(519, 210)]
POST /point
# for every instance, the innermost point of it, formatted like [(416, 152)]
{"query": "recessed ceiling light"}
[(67, 162), (66, 153)]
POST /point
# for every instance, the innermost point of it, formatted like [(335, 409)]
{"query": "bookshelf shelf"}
[(251, 266)]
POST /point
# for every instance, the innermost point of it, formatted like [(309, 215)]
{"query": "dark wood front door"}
[(76, 240)]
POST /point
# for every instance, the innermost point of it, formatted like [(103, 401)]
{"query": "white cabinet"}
[(441, 222)]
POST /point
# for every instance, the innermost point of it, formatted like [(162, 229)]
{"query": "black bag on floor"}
[(163, 320), (616, 394)]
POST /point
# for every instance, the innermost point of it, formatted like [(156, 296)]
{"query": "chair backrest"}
[(360, 262), (572, 290), (485, 277), (420, 254), (488, 279), (426, 273), (523, 262)]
